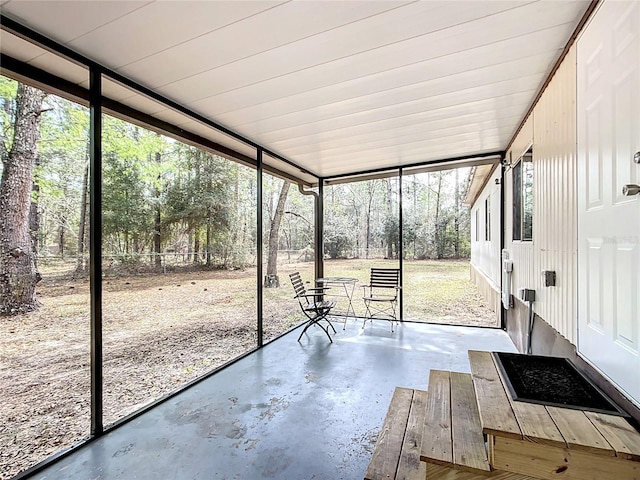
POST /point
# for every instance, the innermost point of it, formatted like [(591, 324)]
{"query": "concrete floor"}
[(308, 410)]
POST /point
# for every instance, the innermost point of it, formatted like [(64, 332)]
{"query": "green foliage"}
[(202, 207), (339, 241), (126, 214), (63, 147), (337, 245), (8, 92), (199, 197), (361, 219)]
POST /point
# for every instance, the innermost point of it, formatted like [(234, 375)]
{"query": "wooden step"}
[(397, 451), (496, 414), (438, 472), (550, 442), (453, 434), (550, 463)]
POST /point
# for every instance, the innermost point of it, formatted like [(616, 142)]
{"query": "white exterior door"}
[(608, 108)]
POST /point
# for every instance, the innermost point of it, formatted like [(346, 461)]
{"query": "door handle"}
[(630, 190), (636, 158)]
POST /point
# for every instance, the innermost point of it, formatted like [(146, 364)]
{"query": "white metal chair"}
[(381, 295)]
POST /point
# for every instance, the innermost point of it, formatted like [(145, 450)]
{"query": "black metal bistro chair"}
[(313, 305), (381, 295)]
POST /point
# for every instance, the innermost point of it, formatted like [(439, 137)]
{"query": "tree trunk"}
[(390, 238), (271, 279), (82, 265), (371, 190), (34, 214), (208, 241), (60, 241), (18, 270), (157, 224), (438, 233), (456, 245), (196, 248)]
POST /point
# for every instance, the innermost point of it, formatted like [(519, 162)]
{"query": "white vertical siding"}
[(555, 242), (551, 129), (485, 253), (520, 252)]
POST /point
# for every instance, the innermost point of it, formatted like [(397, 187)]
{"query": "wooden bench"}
[(397, 451)]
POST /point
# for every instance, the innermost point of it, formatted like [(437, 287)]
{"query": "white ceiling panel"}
[(61, 67), (417, 134), (497, 92), (411, 146), (397, 158), (66, 20), (351, 38), (309, 88), (296, 57), (516, 70), (368, 90), (160, 26), (256, 34), (336, 87), (344, 139)]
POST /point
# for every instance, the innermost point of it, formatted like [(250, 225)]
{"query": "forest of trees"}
[(165, 199), (362, 220)]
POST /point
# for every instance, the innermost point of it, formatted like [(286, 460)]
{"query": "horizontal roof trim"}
[(428, 166), (479, 179)]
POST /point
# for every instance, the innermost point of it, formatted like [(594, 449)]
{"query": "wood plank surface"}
[(469, 452), (384, 461), (537, 425), (496, 414), (535, 422), (410, 467), (438, 472), (579, 432), (550, 463), (622, 437), (436, 442)]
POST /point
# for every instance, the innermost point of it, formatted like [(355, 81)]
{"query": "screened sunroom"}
[(190, 156)]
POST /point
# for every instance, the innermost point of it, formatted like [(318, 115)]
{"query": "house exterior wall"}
[(555, 229), (485, 271), (520, 252), (483, 250), (551, 130)]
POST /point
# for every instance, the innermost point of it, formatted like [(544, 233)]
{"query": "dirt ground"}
[(160, 331)]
